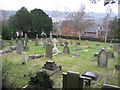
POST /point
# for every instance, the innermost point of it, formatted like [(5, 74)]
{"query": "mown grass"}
[(69, 63)]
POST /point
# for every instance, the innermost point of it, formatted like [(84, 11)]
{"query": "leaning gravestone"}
[(66, 49), (19, 48), (102, 58), (49, 48)]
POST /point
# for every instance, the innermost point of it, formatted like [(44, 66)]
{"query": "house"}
[(68, 29)]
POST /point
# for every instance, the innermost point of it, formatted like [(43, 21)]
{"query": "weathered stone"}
[(5, 51), (75, 54), (90, 74), (19, 48), (24, 59), (48, 53), (77, 43), (36, 56), (102, 58), (25, 48), (66, 49), (13, 47), (78, 49), (111, 55)]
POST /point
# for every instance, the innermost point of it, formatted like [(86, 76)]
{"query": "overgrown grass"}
[(69, 63)]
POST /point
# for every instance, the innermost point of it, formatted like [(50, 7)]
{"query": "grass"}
[(77, 64)]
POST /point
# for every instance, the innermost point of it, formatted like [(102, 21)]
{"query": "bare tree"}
[(81, 21), (106, 22)]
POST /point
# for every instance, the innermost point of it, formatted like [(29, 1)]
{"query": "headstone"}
[(13, 47), (41, 42), (111, 55), (16, 39), (44, 44), (26, 40), (49, 48), (24, 59), (117, 67), (90, 74), (78, 49), (77, 43), (36, 56), (117, 47), (72, 80), (98, 45), (71, 42), (75, 54), (95, 57), (40, 81), (5, 51), (50, 65), (66, 49), (102, 58), (19, 48)]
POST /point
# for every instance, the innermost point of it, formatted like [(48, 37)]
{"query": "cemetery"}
[(61, 63)]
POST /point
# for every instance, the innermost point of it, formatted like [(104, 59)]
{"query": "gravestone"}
[(26, 40), (90, 74), (44, 44), (75, 54), (41, 41), (117, 47), (36, 56), (48, 53), (13, 47), (66, 49), (95, 57), (78, 49), (117, 67), (36, 40), (5, 51), (50, 65), (77, 43), (72, 80), (24, 59), (111, 55), (102, 58), (40, 81), (71, 42), (19, 48), (16, 39)]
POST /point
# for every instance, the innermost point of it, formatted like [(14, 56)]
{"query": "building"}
[(68, 29)]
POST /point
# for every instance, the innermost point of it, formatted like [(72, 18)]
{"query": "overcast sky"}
[(59, 5)]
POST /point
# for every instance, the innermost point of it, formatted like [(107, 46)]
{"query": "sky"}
[(59, 5)]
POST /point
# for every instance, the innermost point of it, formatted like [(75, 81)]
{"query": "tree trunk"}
[(79, 36)]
